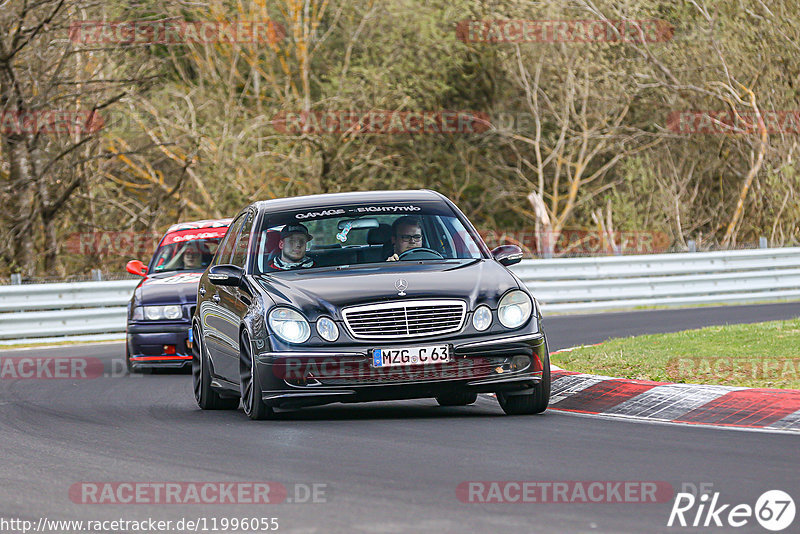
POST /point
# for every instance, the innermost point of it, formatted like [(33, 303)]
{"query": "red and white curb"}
[(752, 408)]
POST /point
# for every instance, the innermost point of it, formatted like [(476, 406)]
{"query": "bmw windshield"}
[(187, 250)]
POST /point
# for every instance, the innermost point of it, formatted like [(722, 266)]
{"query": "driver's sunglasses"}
[(410, 238)]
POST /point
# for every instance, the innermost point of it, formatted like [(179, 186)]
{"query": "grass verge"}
[(763, 355)]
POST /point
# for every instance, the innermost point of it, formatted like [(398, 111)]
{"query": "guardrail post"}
[(692, 245), (762, 242), (16, 279), (97, 275)]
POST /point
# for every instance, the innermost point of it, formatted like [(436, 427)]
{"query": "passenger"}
[(406, 234), (292, 245)]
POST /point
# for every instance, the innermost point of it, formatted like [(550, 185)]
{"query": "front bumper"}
[(291, 379), (146, 344)]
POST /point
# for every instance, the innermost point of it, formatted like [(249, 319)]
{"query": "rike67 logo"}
[(774, 510)]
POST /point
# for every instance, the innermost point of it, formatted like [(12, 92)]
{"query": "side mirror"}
[(507, 254), (226, 275), (136, 267)]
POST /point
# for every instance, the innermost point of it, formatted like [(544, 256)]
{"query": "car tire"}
[(533, 403), (250, 385), (128, 363), (460, 398), (204, 394)]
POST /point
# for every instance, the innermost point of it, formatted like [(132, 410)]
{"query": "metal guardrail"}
[(560, 285), (624, 282), (48, 310)]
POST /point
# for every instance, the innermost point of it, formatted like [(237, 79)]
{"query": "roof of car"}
[(193, 225), (341, 199)]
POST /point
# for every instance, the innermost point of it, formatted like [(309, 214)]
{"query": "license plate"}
[(410, 356)]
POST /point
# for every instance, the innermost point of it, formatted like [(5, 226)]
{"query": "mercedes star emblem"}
[(401, 285)]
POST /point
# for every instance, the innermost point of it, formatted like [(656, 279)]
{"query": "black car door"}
[(232, 307), (210, 305)]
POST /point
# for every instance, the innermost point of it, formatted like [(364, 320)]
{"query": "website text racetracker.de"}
[(567, 491), (209, 492), (199, 524)]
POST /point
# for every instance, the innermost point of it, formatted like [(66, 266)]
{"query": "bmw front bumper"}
[(146, 343)]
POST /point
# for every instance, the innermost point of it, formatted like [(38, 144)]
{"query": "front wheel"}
[(250, 384), (128, 363), (204, 394), (533, 403)]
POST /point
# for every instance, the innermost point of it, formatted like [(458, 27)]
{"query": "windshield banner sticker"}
[(191, 235), (357, 210)]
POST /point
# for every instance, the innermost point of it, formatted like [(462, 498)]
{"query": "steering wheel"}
[(420, 253)]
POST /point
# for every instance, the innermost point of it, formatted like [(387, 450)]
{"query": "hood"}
[(168, 288), (328, 290)]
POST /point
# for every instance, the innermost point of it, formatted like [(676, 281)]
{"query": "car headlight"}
[(137, 314), (327, 329), (158, 313), (515, 308), (482, 318), (289, 325)]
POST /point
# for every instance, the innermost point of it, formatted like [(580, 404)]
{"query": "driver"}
[(406, 234), (292, 245), (192, 257)]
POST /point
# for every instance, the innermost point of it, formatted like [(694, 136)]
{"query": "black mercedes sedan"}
[(162, 305), (368, 296)]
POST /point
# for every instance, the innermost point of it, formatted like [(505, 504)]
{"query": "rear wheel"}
[(460, 398), (204, 394), (533, 403), (250, 385)]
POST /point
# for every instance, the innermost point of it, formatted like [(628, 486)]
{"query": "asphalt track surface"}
[(387, 467)]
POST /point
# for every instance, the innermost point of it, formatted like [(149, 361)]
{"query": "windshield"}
[(353, 235), (187, 250)]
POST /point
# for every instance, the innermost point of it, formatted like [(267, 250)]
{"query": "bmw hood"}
[(168, 288), (327, 291)]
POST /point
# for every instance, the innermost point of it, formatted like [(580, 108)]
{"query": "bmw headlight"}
[(289, 325), (327, 329), (159, 313), (482, 318), (515, 308)]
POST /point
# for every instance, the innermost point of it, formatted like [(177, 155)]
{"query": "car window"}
[(187, 250), (361, 234), (226, 248), (240, 250)]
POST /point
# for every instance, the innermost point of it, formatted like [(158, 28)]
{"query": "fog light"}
[(327, 329), (482, 318), (520, 363), (169, 349)]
